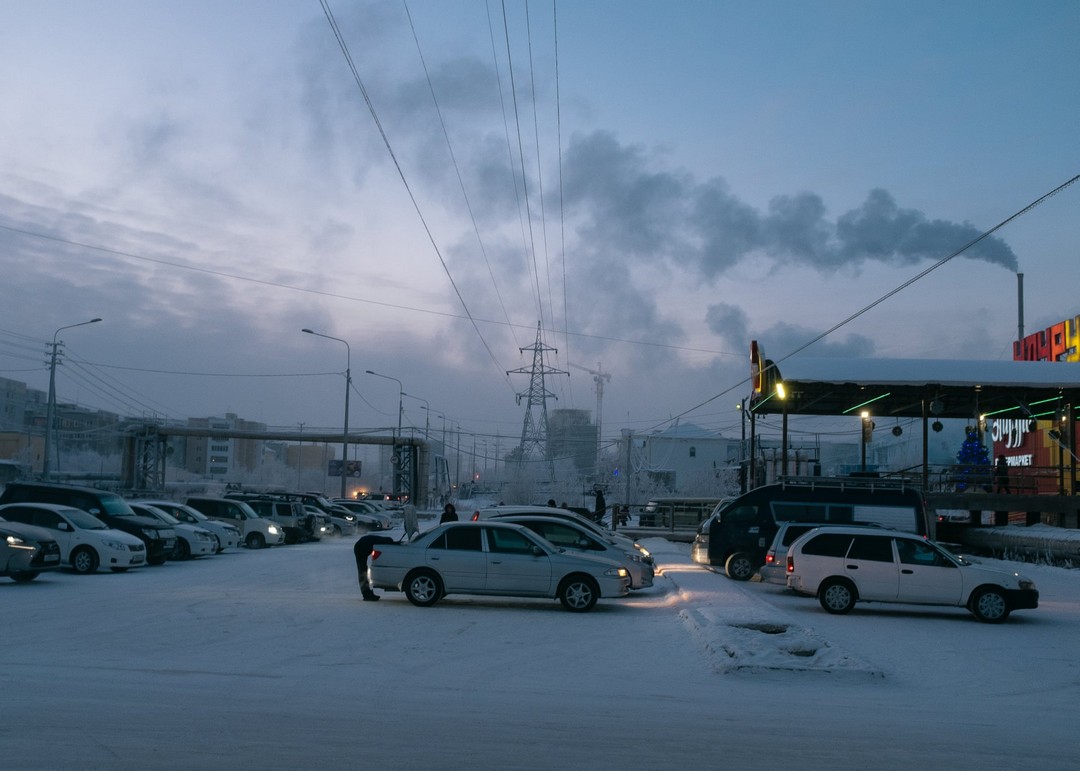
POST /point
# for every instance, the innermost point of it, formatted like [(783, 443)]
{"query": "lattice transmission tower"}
[(534, 426)]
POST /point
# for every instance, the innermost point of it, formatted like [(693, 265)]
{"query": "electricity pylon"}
[(534, 426)]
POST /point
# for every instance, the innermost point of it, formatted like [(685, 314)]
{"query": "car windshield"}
[(82, 520), (166, 517), (117, 506), (186, 513)]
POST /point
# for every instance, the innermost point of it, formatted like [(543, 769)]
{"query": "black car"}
[(110, 508), (25, 551)]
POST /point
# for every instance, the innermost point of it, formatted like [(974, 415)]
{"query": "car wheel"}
[(182, 551), (739, 566), (989, 606), (578, 593), (22, 578), (837, 595), (337, 531), (255, 541), (84, 560), (423, 588)]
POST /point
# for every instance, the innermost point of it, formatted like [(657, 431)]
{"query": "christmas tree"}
[(973, 462)]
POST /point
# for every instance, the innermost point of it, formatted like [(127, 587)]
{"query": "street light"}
[(401, 393), (438, 415), (348, 386), (427, 407), (397, 454), (50, 410), (867, 431)]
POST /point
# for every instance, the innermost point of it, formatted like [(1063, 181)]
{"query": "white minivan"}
[(844, 565), (86, 542)]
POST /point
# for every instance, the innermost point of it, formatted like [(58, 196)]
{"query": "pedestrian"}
[(362, 550), (412, 527), (449, 514), (1001, 474), (601, 504), (552, 504)]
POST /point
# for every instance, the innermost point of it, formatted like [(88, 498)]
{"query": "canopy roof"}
[(899, 387)]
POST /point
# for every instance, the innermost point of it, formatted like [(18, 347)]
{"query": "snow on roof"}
[(905, 387), (1022, 374)]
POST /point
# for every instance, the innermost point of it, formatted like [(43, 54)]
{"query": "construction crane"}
[(599, 377)]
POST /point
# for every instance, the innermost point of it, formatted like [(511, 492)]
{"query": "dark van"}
[(110, 508), (738, 533)]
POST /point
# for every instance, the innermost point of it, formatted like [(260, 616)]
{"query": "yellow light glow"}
[(781, 392)]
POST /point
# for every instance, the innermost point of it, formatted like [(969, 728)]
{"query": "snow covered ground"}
[(270, 660)]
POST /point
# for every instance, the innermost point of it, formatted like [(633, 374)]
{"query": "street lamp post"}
[(348, 387), (427, 408), (867, 425), (50, 409), (397, 438)]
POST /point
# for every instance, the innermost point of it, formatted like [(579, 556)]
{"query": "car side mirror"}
[(63, 526), (536, 551)]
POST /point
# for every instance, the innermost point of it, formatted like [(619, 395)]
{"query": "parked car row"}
[(45, 526)]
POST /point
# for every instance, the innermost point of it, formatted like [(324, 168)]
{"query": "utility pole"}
[(50, 410), (300, 460)]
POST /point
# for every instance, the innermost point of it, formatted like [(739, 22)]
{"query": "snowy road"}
[(269, 660)]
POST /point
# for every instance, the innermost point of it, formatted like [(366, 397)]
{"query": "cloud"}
[(650, 214), (881, 230), (731, 323)]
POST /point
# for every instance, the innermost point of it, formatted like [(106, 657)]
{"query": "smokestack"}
[(1020, 316)]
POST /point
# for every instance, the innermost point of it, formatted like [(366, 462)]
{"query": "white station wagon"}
[(494, 558), (86, 543), (844, 565)]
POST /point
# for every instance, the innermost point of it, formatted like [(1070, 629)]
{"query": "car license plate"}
[(52, 557)]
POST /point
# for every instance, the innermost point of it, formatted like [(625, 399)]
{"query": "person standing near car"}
[(362, 550), (412, 527), (601, 505), (449, 514)]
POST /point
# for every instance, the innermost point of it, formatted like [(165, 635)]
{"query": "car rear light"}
[(475, 516), (790, 564), (375, 554), (770, 558)]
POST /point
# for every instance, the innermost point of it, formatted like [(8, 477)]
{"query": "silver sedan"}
[(494, 558)]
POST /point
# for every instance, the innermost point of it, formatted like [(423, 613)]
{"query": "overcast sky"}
[(209, 179)]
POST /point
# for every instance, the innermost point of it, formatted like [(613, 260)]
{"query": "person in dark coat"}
[(601, 505), (1001, 475), (449, 514), (362, 550)]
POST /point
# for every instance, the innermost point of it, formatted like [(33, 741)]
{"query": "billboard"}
[(352, 468)]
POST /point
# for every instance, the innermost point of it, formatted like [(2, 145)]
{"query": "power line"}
[(350, 298), (404, 181), (531, 244), (457, 171)]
